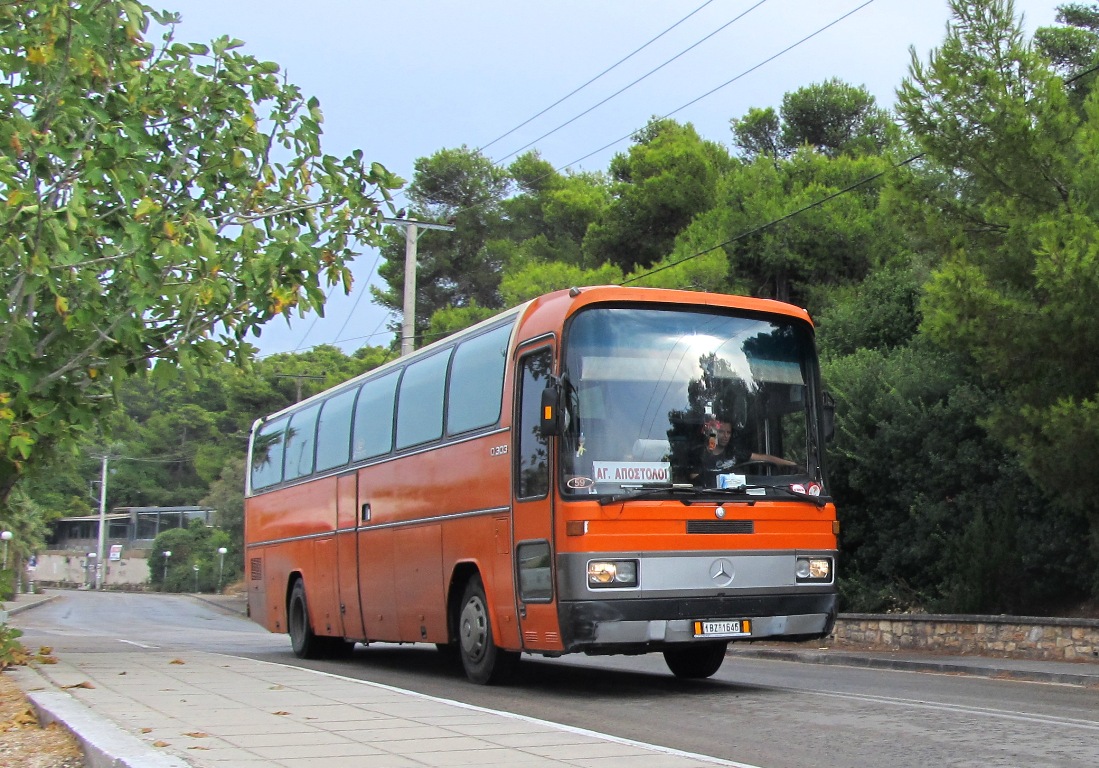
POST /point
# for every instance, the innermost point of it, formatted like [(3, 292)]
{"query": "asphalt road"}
[(770, 714)]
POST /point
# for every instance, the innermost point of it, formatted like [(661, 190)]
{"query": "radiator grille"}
[(257, 568), (721, 526)]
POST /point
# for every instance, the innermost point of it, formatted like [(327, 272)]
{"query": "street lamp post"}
[(195, 566), (221, 565), (6, 536), (164, 584)]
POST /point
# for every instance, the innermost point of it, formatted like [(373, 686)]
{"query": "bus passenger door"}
[(533, 508), (347, 559)]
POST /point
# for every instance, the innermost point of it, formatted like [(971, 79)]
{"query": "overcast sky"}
[(405, 78)]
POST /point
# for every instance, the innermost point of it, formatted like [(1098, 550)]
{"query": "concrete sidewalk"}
[(203, 709), (171, 710)]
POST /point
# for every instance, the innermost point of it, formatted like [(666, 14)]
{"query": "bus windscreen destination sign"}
[(633, 472)]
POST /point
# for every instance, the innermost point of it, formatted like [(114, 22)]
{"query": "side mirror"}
[(550, 425), (829, 417)]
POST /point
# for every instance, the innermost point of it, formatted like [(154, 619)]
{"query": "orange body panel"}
[(661, 527)]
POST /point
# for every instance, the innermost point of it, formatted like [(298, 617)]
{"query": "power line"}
[(742, 235), (577, 90), (746, 72), (708, 93), (712, 91), (635, 82), (316, 317), (766, 61), (777, 221), (1078, 75), (358, 298)]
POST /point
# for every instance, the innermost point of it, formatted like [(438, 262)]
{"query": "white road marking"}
[(1003, 714), (139, 645)]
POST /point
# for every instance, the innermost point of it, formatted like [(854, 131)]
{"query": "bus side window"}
[(532, 461), (267, 449), (334, 431), (420, 401), (477, 381), (373, 432), (300, 441)]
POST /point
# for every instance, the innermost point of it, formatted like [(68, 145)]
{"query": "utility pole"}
[(100, 563), (298, 378), (408, 318), (411, 235)]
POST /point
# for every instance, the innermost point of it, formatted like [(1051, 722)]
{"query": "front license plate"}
[(724, 628)]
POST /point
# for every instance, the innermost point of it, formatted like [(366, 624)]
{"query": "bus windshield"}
[(670, 397)]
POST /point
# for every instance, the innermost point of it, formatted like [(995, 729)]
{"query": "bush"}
[(7, 584), (196, 545), (12, 651)]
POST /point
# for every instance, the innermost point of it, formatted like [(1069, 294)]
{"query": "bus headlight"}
[(612, 574), (813, 569)]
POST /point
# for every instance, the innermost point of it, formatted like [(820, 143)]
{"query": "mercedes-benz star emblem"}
[(721, 572)]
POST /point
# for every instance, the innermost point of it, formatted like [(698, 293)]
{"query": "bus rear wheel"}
[(484, 662), (305, 642), (306, 645), (695, 660)]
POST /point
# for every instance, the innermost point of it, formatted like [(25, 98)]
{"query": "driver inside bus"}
[(721, 454)]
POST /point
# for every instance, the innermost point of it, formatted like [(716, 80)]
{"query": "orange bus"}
[(601, 470)]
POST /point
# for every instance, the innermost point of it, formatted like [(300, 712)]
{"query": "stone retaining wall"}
[(1020, 637)]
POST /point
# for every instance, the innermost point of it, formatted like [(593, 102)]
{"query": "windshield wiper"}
[(687, 493), (666, 491)]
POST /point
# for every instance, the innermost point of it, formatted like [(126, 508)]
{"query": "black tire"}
[(305, 643), (696, 660), (483, 661)]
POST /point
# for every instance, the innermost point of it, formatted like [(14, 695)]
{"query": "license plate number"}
[(723, 628)]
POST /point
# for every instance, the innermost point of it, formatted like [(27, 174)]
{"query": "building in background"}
[(73, 543)]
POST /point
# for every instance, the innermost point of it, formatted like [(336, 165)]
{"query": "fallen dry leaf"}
[(21, 720), (23, 742), (84, 684)]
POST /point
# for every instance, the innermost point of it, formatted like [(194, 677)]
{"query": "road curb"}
[(19, 608), (849, 659), (105, 744), (234, 607)]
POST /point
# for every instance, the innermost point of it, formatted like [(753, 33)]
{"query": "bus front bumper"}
[(635, 626)]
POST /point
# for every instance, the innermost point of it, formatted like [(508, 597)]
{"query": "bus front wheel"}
[(696, 660), (484, 662)]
